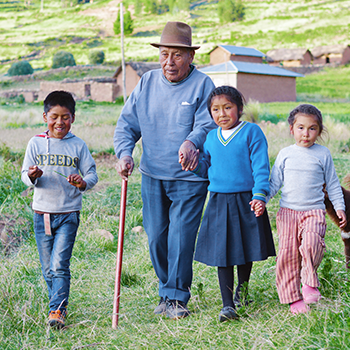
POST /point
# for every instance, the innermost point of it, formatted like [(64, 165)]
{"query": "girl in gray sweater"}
[(302, 170)]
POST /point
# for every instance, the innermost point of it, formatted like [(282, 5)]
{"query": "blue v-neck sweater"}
[(238, 164)]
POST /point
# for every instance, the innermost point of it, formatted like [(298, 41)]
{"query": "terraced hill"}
[(27, 32)]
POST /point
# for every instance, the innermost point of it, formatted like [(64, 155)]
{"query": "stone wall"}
[(310, 68), (77, 89), (104, 91), (29, 95), (98, 89), (41, 74)]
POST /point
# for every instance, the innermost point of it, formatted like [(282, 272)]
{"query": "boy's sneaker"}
[(228, 313), (161, 308), (176, 309), (311, 295), (57, 318)]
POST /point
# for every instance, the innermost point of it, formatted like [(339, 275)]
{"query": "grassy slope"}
[(270, 24), (333, 83)]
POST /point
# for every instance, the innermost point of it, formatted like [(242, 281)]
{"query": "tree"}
[(230, 10), (128, 23)]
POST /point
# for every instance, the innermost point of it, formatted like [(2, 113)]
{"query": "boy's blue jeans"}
[(55, 252)]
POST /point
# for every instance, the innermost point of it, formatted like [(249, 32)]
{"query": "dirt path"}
[(107, 14)]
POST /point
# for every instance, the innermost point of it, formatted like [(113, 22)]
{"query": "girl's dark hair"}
[(231, 93), (59, 98), (307, 109)]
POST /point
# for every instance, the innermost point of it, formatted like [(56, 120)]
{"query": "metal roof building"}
[(256, 81), (224, 53)]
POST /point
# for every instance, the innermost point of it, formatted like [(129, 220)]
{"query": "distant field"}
[(81, 28)]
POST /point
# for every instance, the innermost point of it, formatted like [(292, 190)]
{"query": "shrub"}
[(96, 57), (63, 59), (128, 23), (20, 68)]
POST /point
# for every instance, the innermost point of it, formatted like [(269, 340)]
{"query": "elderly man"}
[(168, 110)]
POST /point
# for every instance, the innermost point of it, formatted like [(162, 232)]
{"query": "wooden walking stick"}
[(118, 269)]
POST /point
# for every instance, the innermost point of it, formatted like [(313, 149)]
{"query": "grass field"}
[(264, 324), (85, 27)]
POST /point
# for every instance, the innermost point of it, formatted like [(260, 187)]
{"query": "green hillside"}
[(26, 30)]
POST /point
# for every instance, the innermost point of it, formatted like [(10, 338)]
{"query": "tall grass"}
[(264, 324)]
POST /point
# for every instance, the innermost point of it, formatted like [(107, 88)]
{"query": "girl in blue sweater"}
[(235, 229)]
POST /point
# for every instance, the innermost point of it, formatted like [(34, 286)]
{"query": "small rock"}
[(104, 234), (137, 229)]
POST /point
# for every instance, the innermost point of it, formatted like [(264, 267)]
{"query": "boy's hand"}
[(342, 218), (257, 206), (77, 181), (34, 172), (125, 166), (188, 156)]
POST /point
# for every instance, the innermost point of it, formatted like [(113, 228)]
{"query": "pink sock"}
[(311, 295), (299, 307)]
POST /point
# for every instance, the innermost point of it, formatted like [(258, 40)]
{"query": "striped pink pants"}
[(301, 249)]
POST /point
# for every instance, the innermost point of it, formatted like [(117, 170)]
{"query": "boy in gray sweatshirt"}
[(60, 167)]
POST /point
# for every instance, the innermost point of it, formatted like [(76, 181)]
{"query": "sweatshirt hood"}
[(45, 134)]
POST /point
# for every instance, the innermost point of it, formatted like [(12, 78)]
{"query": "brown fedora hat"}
[(176, 34)]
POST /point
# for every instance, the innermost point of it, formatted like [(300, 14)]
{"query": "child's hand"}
[(342, 218), (34, 172), (257, 206), (77, 181)]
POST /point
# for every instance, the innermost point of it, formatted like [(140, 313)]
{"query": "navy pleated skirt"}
[(231, 234)]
